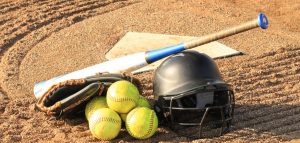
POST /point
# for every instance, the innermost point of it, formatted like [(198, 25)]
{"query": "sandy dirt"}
[(40, 39)]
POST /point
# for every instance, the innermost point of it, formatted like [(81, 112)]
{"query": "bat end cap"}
[(262, 21)]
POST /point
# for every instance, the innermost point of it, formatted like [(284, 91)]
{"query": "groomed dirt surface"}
[(40, 39)]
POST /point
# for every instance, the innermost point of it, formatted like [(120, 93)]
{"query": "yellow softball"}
[(122, 96), (95, 103), (143, 102), (123, 116), (141, 123), (105, 124)]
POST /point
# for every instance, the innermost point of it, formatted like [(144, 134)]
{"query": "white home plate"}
[(134, 42)]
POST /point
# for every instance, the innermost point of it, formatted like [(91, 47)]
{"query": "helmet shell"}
[(183, 72)]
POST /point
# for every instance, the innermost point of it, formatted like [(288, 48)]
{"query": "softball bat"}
[(135, 61)]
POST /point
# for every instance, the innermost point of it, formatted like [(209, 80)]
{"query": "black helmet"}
[(189, 91)]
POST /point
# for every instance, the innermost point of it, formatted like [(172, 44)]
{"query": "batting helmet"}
[(189, 91)]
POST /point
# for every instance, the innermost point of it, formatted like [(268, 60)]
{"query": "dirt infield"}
[(45, 38)]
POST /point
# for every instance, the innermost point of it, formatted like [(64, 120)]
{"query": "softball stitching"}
[(150, 125), (120, 99)]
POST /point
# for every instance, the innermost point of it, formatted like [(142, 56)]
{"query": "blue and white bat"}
[(135, 61)]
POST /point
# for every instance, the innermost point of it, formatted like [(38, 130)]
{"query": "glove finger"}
[(61, 93)]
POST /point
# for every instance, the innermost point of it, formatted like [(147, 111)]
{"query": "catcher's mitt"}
[(70, 97)]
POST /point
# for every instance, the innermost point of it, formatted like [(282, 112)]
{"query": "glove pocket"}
[(75, 103)]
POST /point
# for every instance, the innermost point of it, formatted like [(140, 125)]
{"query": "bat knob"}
[(262, 21)]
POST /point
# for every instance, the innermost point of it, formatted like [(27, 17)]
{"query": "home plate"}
[(134, 42)]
